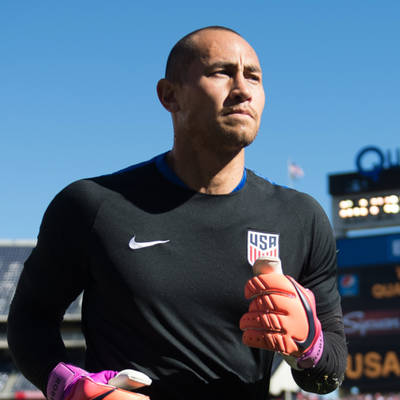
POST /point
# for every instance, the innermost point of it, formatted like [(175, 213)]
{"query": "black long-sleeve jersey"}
[(163, 270)]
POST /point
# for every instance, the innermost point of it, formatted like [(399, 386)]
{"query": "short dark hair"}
[(183, 54)]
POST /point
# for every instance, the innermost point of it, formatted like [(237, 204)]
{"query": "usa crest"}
[(261, 244)]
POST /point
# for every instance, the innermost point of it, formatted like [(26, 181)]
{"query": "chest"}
[(204, 248)]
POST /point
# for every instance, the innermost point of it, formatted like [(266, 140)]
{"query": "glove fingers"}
[(291, 328), (269, 283), (270, 341), (279, 314), (266, 322)]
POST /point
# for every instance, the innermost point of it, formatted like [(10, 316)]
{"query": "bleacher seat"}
[(12, 257), (13, 385)]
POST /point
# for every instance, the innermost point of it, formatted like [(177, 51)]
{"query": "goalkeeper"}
[(163, 250)]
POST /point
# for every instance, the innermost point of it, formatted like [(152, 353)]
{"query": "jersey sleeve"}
[(320, 275), (53, 276)]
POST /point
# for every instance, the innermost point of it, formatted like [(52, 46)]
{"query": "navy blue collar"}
[(168, 173)]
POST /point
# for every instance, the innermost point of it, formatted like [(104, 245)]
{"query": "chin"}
[(238, 141), (243, 135)]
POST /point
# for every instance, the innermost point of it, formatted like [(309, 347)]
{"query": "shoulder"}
[(95, 189), (288, 199), (87, 191)]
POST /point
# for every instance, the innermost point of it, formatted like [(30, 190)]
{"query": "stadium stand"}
[(13, 385)]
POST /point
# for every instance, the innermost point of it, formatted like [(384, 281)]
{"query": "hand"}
[(67, 382), (282, 315)]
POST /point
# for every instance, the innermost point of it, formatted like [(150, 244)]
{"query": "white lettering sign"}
[(356, 323)]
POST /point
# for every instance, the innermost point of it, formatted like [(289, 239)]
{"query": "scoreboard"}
[(368, 198)]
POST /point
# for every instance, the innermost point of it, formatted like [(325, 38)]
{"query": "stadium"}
[(368, 281)]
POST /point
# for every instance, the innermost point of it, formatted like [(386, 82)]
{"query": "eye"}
[(254, 77), (220, 72)]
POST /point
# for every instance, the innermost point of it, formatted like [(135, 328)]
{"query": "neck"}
[(205, 172)]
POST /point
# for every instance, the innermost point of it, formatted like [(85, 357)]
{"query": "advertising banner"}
[(371, 314), (373, 367), (371, 287)]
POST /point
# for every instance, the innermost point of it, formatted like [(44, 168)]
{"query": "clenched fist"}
[(282, 315)]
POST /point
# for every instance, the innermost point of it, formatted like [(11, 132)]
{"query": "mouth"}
[(239, 112)]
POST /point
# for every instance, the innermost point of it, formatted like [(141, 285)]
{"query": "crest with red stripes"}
[(261, 244)]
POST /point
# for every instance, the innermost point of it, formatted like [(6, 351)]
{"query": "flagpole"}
[(290, 178)]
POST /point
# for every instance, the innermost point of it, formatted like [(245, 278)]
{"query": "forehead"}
[(224, 46)]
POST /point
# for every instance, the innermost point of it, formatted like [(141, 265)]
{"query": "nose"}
[(240, 89)]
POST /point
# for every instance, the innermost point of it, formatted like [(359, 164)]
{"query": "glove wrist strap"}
[(61, 378), (311, 357)]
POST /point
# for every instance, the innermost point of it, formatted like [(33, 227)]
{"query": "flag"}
[(295, 171)]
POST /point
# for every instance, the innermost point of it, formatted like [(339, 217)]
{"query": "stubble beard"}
[(221, 137), (235, 138)]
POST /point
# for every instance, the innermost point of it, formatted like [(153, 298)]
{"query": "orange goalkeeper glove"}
[(282, 316)]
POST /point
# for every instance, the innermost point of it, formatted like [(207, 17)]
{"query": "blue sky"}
[(77, 89)]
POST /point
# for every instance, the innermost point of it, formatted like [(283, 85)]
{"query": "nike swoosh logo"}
[(310, 318), (104, 395), (134, 245)]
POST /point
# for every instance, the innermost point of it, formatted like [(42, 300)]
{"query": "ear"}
[(166, 91)]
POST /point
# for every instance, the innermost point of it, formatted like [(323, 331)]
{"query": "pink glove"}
[(68, 382)]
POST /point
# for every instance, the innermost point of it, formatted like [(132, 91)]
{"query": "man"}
[(163, 250)]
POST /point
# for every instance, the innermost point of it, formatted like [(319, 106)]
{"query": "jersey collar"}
[(169, 174)]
